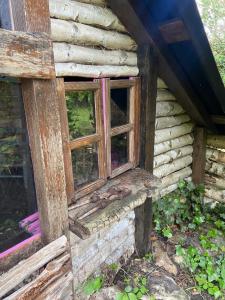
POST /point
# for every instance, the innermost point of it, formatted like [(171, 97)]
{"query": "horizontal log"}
[(90, 71), (218, 182), (64, 53), (16, 275), (215, 155), (85, 13), (173, 144), (53, 271), (174, 166), (217, 195), (168, 190), (165, 95), (175, 177), (95, 2), (169, 108), (172, 155), (162, 135), (161, 84), (165, 122), (216, 141), (80, 34), (27, 55), (215, 168)]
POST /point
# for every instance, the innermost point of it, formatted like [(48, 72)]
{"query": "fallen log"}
[(90, 71), (175, 177), (166, 134), (215, 155), (169, 108), (173, 144), (64, 53), (215, 168), (165, 95), (216, 141), (85, 13), (80, 34), (218, 182), (174, 166), (165, 122), (172, 155), (161, 84), (217, 195)]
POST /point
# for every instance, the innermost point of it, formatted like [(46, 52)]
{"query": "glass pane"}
[(119, 150), (85, 165), (81, 113), (119, 107), (17, 193)]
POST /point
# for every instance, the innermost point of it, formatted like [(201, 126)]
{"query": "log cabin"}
[(105, 106)]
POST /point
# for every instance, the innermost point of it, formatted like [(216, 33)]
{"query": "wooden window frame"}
[(104, 132)]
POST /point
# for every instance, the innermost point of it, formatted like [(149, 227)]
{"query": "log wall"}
[(89, 40), (173, 141), (215, 169)]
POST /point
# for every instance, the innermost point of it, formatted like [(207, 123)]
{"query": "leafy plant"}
[(93, 285), (134, 292)]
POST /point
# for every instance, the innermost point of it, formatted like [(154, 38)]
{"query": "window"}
[(100, 128), (17, 192)]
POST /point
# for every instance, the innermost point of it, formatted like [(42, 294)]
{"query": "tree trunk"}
[(216, 141), (86, 14), (171, 155), (76, 33), (173, 144), (215, 155), (64, 53), (176, 165), (90, 71), (176, 177), (94, 2), (171, 108), (166, 134), (165, 122)]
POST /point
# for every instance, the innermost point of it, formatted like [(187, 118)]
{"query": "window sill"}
[(84, 225)]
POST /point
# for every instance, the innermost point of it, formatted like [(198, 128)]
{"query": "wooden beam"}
[(147, 60), (199, 155), (218, 119), (43, 122), (135, 15), (26, 55), (174, 31)]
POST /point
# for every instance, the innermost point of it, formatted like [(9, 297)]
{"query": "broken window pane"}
[(119, 150), (119, 107), (85, 165), (81, 113)]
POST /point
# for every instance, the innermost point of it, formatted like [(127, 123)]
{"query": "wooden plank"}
[(24, 269), (174, 31), (84, 141), (65, 140), (43, 122), (121, 84), (147, 60), (81, 86), (27, 55), (199, 155)]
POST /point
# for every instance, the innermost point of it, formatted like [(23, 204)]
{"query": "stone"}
[(162, 259), (108, 293), (164, 288), (179, 260)]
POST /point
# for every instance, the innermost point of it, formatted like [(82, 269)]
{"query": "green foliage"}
[(135, 291), (213, 16), (93, 285), (182, 208)]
